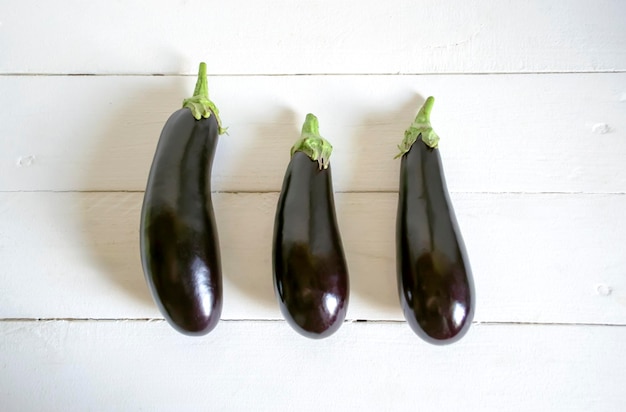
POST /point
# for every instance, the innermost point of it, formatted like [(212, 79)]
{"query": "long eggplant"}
[(434, 278), (179, 242), (310, 270)]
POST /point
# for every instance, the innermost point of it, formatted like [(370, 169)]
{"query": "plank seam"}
[(235, 192), (150, 320), (17, 74)]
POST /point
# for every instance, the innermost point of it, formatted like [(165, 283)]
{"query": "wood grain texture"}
[(323, 36), (265, 366), (499, 133), (540, 258)]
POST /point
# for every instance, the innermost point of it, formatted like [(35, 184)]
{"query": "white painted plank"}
[(536, 258), (499, 133), (265, 366), (323, 36)]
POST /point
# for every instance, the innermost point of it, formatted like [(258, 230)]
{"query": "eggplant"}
[(309, 265), (179, 242), (435, 283)]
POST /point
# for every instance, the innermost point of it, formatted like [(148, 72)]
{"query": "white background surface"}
[(531, 110)]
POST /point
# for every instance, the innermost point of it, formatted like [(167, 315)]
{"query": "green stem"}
[(200, 104), (420, 127), (311, 143), (202, 84)]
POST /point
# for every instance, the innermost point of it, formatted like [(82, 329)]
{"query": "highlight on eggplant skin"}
[(435, 282), (310, 270), (179, 242)]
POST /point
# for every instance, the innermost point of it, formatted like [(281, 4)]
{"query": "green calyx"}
[(311, 143), (200, 104), (420, 126)]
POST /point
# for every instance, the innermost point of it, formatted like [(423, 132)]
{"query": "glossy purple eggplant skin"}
[(310, 270), (179, 242), (434, 279)]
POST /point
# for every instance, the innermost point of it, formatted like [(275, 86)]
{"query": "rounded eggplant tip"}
[(442, 333), (442, 339), (313, 330), (321, 322), (196, 328), (194, 324)]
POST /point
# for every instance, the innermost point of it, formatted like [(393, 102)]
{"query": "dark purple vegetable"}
[(310, 271), (179, 244), (434, 279)]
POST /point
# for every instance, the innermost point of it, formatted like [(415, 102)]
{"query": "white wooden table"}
[(531, 110)]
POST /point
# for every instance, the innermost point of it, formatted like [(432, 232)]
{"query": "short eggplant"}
[(180, 250), (435, 282), (310, 270)]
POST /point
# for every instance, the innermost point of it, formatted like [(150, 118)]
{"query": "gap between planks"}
[(150, 320), (236, 192), (511, 73), (260, 192)]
